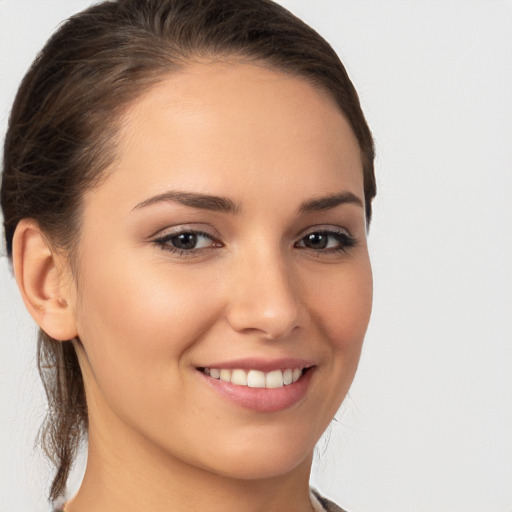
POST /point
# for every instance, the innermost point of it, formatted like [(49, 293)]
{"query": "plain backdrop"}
[(427, 425)]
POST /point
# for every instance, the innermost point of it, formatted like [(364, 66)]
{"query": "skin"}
[(160, 439)]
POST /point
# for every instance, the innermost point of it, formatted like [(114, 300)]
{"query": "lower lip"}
[(262, 399)]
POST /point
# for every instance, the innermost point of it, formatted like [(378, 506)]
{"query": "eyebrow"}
[(194, 200), (328, 202), (226, 205)]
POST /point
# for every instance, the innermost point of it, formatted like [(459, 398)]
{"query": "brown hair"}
[(62, 129)]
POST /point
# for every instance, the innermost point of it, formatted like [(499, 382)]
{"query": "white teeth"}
[(274, 379), (239, 377), (225, 375), (256, 378)]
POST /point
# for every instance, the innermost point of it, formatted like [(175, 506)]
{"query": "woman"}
[(186, 191)]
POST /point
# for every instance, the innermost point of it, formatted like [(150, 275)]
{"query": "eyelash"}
[(343, 239), (164, 242)]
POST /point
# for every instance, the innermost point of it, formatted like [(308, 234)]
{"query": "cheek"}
[(137, 321), (343, 314), (340, 303), (344, 309)]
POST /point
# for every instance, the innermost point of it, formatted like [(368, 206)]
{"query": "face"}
[(224, 279)]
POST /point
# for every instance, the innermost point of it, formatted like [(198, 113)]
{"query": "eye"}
[(188, 241), (327, 241)]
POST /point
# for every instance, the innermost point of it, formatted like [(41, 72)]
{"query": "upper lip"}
[(264, 365)]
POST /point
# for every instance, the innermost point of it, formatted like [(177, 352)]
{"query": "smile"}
[(263, 386), (256, 378)]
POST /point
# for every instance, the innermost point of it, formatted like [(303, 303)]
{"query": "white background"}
[(428, 423)]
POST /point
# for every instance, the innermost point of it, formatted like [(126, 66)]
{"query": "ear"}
[(44, 281)]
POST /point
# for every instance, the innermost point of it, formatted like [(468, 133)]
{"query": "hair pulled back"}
[(62, 132)]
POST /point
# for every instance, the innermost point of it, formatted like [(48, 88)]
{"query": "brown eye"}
[(316, 241), (328, 241), (187, 241), (184, 241)]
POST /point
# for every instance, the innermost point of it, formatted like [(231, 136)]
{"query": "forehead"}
[(230, 124)]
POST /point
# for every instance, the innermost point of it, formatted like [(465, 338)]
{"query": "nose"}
[(264, 298)]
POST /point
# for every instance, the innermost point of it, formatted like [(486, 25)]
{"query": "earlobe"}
[(40, 276)]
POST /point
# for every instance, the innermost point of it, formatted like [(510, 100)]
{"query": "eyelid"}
[(345, 239), (163, 240), (199, 228), (325, 228)]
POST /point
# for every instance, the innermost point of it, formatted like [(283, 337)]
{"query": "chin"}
[(262, 458), (263, 469)]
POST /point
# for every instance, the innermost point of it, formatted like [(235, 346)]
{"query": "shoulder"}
[(323, 504)]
